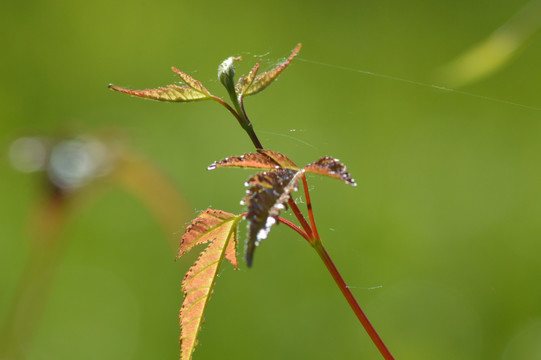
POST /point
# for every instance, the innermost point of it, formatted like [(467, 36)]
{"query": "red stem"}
[(311, 235), (352, 302), (301, 218), (315, 241), (309, 207), (228, 107), (296, 228)]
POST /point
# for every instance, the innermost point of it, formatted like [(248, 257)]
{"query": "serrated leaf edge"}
[(186, 354)]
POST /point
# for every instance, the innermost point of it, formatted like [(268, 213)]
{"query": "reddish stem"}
[(296, 228), (315, 241), (352, 302), (309, 207), (301, 218), (228, 107), (311, 235)]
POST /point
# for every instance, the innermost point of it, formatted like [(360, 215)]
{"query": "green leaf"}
[(220, 229), (252, 84), (193, 90), (331, 167), (267, 195)]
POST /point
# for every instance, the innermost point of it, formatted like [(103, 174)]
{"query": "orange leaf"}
[(207, 227), (264, 159), (331, 167), (220, 229)]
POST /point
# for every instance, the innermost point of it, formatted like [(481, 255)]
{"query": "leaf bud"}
[(226, 73)]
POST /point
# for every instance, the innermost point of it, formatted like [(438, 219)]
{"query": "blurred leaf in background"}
[(74, 171), (493, 53)]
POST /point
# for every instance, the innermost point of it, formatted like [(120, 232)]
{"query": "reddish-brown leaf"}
[(261, 81), (249, 161), (331, 167), (280, 159), (220, 229), (264, 159), (267, 195)]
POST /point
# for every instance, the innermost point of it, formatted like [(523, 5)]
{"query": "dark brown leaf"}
[(267, 195)]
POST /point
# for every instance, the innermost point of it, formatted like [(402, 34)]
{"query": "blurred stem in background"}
[(76, 170), (496, 51)]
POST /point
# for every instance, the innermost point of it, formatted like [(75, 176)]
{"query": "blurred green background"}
[(439, 242)]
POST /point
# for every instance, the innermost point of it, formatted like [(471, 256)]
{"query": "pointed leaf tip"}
[(331, 167), (246, 81), (208, 226), (191, 82), (249, 85)]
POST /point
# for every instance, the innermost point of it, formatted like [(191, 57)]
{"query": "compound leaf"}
[(220, 229), (250, 85), (331, 167), (267, 195)]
